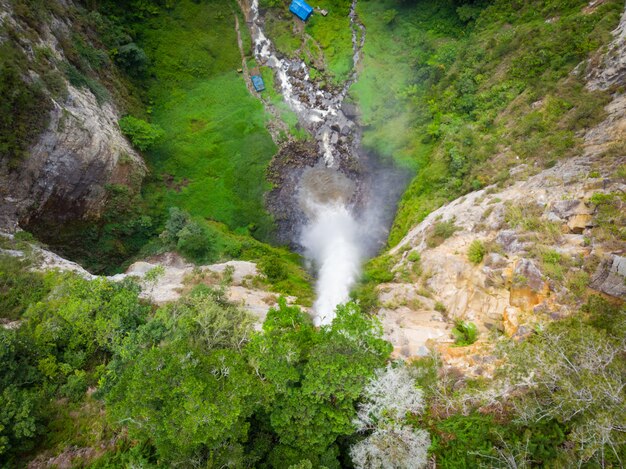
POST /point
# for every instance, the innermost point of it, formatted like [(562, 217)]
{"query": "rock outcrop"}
[(79, 153), (508, 290), (610, 70), (167, 277)]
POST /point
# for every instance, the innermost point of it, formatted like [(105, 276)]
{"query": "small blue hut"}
[(301, 9), (257, 82)]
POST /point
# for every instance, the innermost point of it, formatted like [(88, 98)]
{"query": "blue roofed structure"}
[(301, 9), (257, 82)]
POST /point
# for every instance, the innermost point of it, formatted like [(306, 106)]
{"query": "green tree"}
[(195, 242), (175, 223), (132, 59), (201, 390), (315, 378), (142, 134)]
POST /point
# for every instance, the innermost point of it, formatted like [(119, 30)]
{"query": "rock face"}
[(610, 278), (611, 71), (165, 278), (68, 168), (177, 277), (81, 151), (508, 290)]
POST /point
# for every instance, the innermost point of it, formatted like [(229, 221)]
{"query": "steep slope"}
[(60, 168), (507, 258)]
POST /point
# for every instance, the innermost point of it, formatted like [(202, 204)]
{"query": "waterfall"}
[(331, 240), (335, 242)]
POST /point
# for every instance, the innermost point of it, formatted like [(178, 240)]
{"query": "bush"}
[(19, 287), (175, 223), (273, 269), (132, 59), (194, 242), (414, 256), (465, 333), (440, 232), (76, 386), (476, 251), (142, 134)]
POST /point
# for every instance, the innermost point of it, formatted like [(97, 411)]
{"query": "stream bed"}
[(336, 201)]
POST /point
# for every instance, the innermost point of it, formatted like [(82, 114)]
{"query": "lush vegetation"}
[(218, 390), (326, 42), (463, 91), (91, 365), (141, 134), (457, 91)]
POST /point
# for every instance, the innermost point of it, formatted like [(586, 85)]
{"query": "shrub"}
[(76, 386), (273, 269), (476, 251), (132, 59), (465, 333), (379, 269), (577, 282), (440, 232), (194, 242), (142, 134), (175, 223), (414, 256)]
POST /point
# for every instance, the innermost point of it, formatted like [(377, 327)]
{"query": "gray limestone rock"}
[(528, 270), (610, 277)]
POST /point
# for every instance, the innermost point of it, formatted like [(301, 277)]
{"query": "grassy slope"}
[(388, 85), (216, 146), (471, 100), (331, 35)]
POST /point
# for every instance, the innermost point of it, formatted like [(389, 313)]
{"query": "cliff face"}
[(508, 258), (67, 166)]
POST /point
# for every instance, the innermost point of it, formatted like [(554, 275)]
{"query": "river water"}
[(343, 226)]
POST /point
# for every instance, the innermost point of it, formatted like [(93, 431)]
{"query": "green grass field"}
[(212, 160)]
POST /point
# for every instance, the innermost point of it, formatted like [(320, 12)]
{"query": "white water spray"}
[(334, 240), (331, 240)]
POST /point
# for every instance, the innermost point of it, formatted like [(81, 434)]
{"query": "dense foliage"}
[(463, 91), (193, 382), (215, 385)]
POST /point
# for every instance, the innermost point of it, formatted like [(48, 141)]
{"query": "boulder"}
[(510, 242), (495, 261), (564, 209), (350, 110), (578, 223), (510, 320), (526, 273), (610, 277)]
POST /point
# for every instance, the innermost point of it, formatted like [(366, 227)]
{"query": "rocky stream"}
[(332, 199)]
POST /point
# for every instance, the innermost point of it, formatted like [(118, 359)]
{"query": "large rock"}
[(610, 278), (565, 209), (80, 152), (510, 242)]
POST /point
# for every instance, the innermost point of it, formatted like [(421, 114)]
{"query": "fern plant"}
[(465, 333)]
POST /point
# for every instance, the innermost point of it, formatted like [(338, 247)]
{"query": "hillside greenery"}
[(458, 92), (461, 92), (77, 367)]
